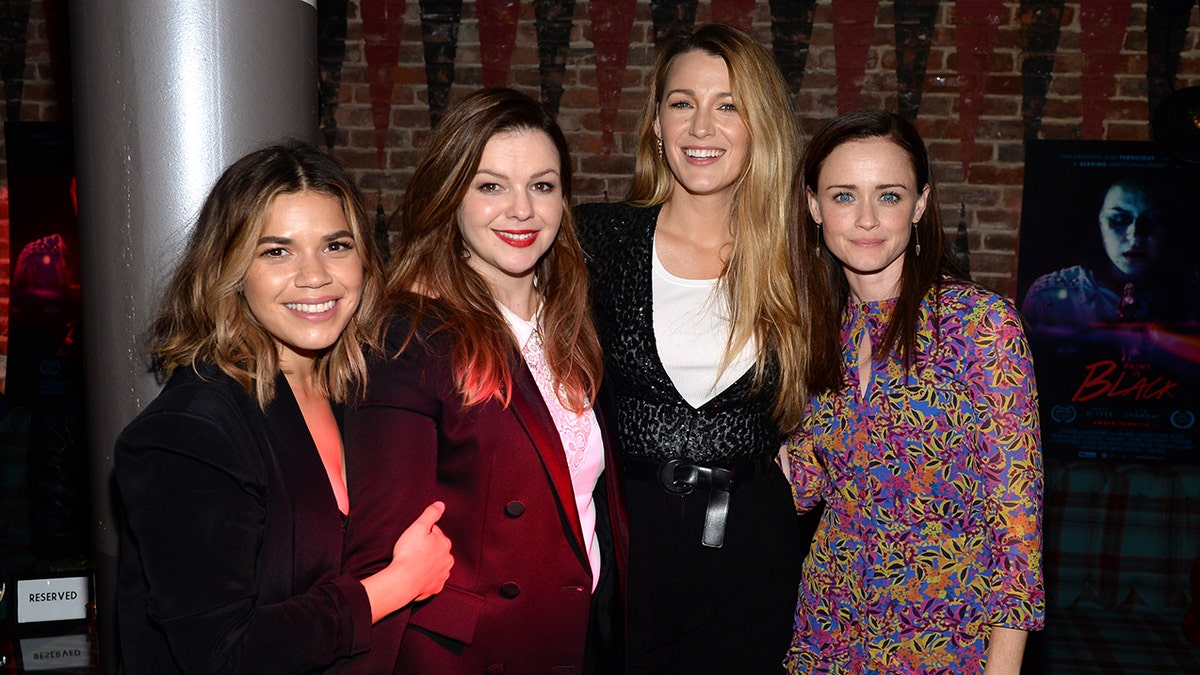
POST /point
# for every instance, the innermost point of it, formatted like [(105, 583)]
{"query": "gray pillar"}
[(167, 94)]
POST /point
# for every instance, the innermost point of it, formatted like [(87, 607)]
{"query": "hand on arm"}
[(421, 563)]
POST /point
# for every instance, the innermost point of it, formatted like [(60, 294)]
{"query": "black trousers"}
[(730, 610)]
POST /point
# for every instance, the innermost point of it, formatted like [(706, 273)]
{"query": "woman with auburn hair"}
[(486, 400), (927, 452), (232, 478), (706, 348)]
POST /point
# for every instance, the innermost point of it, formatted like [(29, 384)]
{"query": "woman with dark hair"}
[(1131, 279), (486, 400), (927, 453), (232, 478), (706, 344)]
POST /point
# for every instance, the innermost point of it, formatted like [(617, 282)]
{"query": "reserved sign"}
[(54, 599), (56, 653)]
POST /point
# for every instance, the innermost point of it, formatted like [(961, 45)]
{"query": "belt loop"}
[(715, 517)]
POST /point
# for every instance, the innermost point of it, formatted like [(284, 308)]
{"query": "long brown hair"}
[(205, 318), (920, 273), (768, 301), (430, 258)]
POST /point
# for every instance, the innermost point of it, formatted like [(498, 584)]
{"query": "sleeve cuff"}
[(356, 637)]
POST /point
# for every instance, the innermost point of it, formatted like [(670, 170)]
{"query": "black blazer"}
[(519, 596), (231, 544), (656, 422)]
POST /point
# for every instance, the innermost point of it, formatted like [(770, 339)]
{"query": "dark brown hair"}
[(919, 273), (430, 257)]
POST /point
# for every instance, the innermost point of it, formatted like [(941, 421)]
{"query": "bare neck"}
[(693, 243)]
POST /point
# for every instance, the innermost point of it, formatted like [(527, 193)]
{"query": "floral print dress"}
[(932, 484)]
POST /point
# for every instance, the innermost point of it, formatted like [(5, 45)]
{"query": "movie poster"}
[(1109, 285)]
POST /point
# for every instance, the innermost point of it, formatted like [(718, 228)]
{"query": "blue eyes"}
[(886, 198)]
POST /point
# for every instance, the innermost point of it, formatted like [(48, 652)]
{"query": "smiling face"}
[(866, 200), (705, 142), (512, 210), (1131, 228), (305, 280)]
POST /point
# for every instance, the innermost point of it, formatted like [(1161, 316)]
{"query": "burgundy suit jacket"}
[(519, 598)]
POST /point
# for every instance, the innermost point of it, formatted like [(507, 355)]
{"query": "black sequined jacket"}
[(655, 422)]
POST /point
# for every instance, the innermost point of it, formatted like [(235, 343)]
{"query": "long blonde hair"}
[(205, 318), (430, 258), (759, 281)]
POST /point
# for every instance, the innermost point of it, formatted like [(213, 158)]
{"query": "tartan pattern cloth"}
[(1120, 543), (14, 493), (15, 534), (1110, 643)]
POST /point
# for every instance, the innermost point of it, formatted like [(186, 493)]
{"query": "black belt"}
[(682, 476)]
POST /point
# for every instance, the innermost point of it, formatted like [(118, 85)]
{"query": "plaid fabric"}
[(1113, 643), (1120, 541), (15, 556), (14, 493)]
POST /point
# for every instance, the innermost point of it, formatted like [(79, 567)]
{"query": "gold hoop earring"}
[(917, 240)]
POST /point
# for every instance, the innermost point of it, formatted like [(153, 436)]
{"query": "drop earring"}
[(916, 238), (661, 151), (818, 238)]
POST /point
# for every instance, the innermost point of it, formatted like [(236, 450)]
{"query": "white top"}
[(579, 433), (691, 328)]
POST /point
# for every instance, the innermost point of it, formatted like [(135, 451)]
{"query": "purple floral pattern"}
[(933, 489)]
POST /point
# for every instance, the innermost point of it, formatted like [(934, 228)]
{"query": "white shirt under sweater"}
[(581, 440), (691, 329)]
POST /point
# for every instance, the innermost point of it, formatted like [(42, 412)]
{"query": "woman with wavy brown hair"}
[(707, 350), (486, 400), (232, 478)]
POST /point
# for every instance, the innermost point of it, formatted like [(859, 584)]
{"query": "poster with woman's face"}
[(1109, 286)]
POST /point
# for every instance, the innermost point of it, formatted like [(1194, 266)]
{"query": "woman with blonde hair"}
[(486, 400), (232, 478), (706, 348)]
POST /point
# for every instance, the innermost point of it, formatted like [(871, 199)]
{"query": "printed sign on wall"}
[(1109, 285)]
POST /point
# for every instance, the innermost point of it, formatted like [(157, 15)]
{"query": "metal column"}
[(167, 94)]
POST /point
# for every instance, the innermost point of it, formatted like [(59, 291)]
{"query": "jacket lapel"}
[(297, 453), (530, 410)]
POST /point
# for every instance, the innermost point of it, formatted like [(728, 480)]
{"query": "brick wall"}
[(995, 44), (987, 193)]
